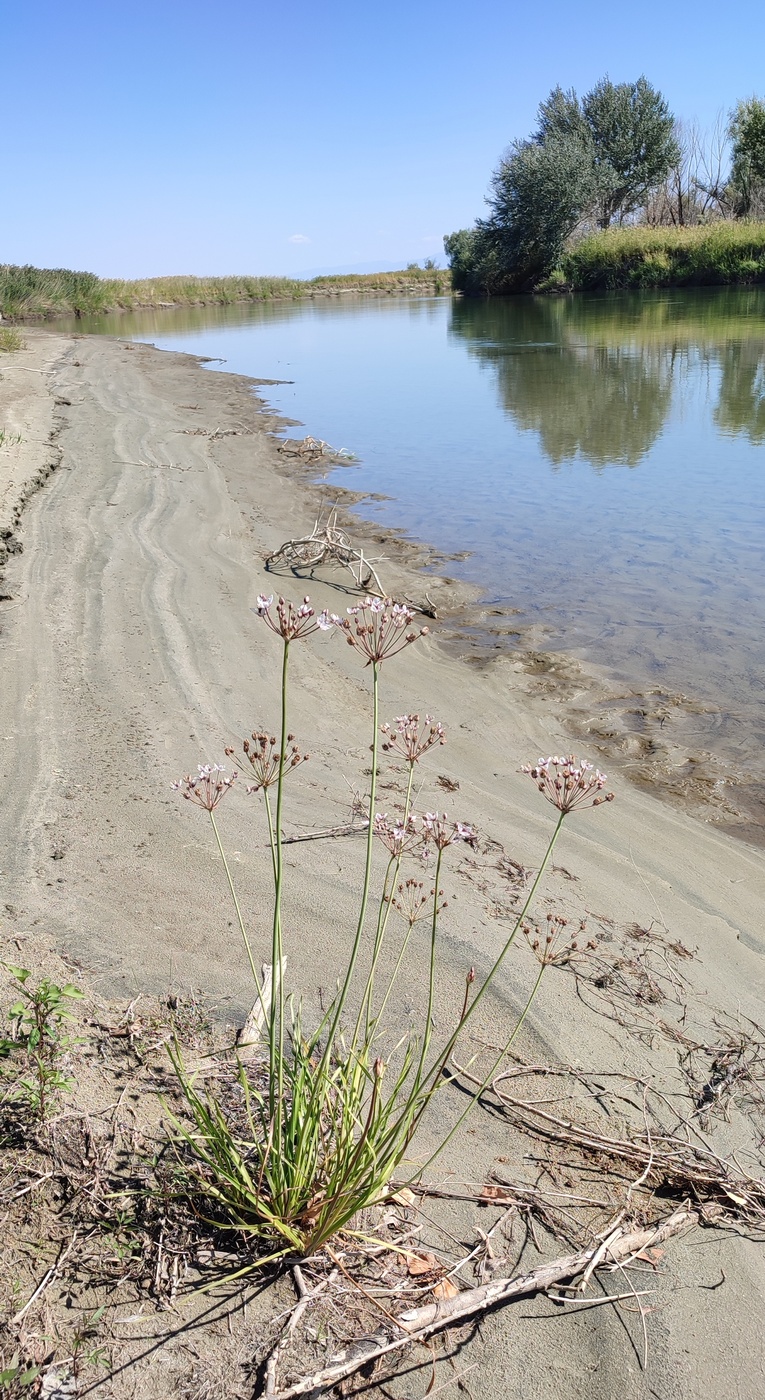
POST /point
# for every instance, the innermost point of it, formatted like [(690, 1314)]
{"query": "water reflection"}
[(741, 405), (596, 378), (169, 322)]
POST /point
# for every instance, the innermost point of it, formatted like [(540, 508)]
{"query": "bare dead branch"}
[(417, 1324), (328, 543)]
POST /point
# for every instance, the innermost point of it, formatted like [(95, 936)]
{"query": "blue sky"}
[(140, 138)]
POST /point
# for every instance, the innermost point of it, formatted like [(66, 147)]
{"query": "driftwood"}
[(311, 449), (328, 543), (417, 1324), (253, 1036)]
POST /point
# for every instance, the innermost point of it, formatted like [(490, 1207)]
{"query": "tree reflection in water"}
[(594, 376)]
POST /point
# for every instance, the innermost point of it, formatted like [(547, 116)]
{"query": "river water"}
[(600, 461)]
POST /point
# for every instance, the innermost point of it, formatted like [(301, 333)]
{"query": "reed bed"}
[(719, 253), (33, 292)]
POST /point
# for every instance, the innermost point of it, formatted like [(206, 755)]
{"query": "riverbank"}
[(31, 293), (131, 654), (725, 253)]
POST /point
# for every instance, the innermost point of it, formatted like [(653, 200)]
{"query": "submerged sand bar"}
[(130, 653)]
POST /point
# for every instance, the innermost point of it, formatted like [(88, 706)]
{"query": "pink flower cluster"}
[(208, 787), (409, 739), (421, 834), (291, 622), (568, 784)]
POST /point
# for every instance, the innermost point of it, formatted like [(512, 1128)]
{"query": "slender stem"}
[(240, 919), (382, 922), (276, 1020), (271, 836), (383, 914), (433, 1076), (487, 1079), (426, 1087), (394, 974), (431, 977), (342, 997), (506, 948)]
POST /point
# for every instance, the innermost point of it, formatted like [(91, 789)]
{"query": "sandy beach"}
[(135, 514)]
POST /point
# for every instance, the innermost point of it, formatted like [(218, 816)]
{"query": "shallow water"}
[(601, 458)]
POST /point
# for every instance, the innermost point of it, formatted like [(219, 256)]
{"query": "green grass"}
[(30, 292), (718, 253), (10, 339)]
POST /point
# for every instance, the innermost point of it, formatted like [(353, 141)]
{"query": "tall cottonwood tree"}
[(633, 144), (747, 176)]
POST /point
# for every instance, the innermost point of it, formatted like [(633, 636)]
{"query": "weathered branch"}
[(417, 1324), (327, 543)]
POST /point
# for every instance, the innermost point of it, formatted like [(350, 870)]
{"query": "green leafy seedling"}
[(38, 1033)]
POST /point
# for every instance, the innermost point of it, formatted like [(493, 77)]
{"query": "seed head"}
[(263, 756), (557, 947), (568, 784), (412, 901)]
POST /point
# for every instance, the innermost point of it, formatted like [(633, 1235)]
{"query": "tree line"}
[(613, 157)]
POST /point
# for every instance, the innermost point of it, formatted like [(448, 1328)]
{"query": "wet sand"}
[(130, 653)]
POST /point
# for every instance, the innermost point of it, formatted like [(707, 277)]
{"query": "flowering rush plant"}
[(331, 1113)]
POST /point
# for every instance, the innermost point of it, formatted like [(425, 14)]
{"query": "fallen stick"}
[(305, 1298), (349, 829), (419, 1323), (46, 1281)]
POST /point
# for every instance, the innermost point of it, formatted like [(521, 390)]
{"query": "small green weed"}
[(37, 1038), (17, 1378)]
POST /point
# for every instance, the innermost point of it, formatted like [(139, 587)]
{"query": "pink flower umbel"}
[(208, 788), (568, 784), (379, 628), (441, 832), (397, 836), (291, 622), (409, 739)]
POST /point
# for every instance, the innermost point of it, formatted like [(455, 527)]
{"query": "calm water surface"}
[(600, 457)]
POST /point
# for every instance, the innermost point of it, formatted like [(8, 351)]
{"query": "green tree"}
[(633, 143), (591, 159), (561, 114), (538, 193), (470, 256), (747, 177)]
